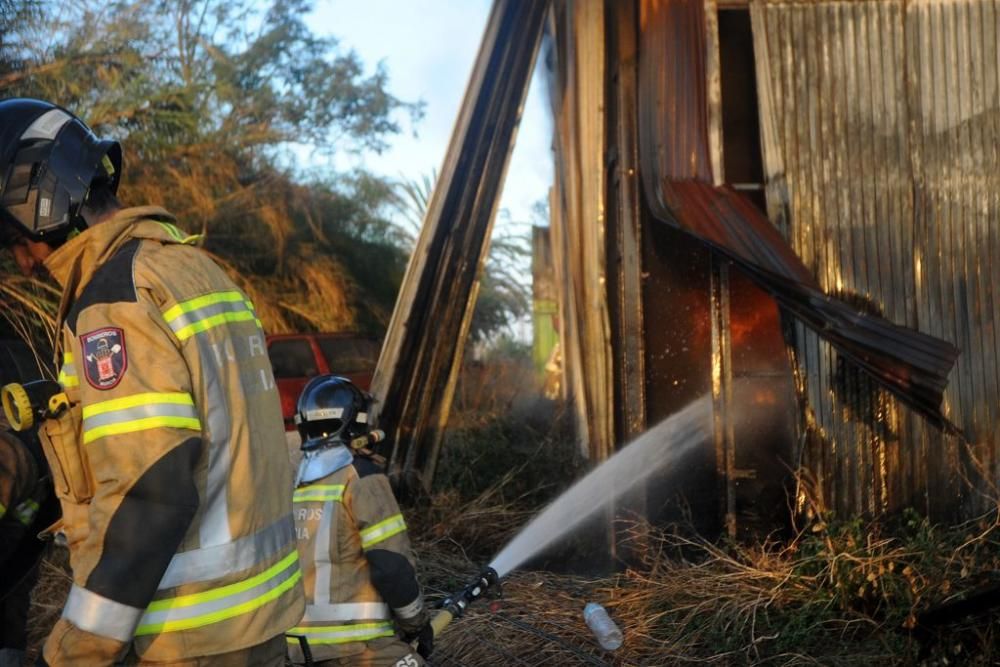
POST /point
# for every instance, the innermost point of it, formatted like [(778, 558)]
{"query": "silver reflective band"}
[(347, 611), (382, 530), (410, 610), (345, 634), (47, 125), (99, 615), (240, 554), (321, 557), (67, 374), (183, 615), (214, 528), (195, 316), (140, 412)]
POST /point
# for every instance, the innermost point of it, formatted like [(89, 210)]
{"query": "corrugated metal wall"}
[(880, 122)]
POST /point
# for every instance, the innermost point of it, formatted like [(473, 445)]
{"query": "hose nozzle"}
[(454, 605), (487, 579)]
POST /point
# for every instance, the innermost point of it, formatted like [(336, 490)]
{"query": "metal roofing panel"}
[(880, 124)]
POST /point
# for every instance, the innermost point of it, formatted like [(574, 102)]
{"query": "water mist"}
[(661, 446)]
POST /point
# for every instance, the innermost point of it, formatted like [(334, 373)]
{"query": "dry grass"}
[(47, 598), (839, 594), (844, 594), (835, 593), (28, 308)]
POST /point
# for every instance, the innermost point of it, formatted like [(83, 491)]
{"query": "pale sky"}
[(428, 47)]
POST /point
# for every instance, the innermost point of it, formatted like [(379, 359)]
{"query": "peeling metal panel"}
[(880, 121), (676, 177), (417, 370)]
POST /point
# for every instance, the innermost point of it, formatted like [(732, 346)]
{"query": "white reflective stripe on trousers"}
[(346, 611), (215, 562), (100, 616)]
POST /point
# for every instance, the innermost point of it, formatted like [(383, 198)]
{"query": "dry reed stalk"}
[(47, 598)]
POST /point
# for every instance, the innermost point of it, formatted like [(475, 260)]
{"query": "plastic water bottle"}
[(605, 630)]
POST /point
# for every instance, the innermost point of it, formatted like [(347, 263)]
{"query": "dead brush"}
[(450, 524), (840, 593), (28, 306), (47, 598)]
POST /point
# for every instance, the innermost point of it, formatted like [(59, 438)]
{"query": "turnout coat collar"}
[(73, 264)]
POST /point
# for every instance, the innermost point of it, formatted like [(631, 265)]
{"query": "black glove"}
[(425, 641)]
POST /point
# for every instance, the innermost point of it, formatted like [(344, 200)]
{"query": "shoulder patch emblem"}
[(104, 356)]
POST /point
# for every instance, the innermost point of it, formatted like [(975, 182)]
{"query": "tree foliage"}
[(215, 101)]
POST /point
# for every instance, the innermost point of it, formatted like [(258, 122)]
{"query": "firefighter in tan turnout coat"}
[(169, 464), (359, 574)]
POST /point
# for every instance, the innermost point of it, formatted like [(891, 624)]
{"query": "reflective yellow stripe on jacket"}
[(67, 374), (376, 614), (382, 530), (319, 492), (211, 606), (208, 311), (139, 412), (178, 235), (342, 634)]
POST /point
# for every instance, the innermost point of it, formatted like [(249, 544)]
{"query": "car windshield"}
[(292, 359), (348, 355)]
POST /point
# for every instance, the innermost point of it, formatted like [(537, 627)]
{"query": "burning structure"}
[(802, 193)]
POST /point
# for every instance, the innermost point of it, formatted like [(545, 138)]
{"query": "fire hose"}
[(26, 404), (449, 609)]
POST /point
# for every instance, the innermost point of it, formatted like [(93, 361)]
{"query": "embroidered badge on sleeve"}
[(105, 359)]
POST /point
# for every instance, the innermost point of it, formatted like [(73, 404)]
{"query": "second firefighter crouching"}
[(362, 593)]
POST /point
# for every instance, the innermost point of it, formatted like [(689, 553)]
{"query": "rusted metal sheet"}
[(675, 171), (879, 124), (416, 374), (579, 184), (625, 221), (673, 103)]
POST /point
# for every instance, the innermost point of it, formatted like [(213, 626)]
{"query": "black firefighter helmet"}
[(49, 161), (331, 411)]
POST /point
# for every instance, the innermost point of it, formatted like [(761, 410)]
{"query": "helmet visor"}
[(48, 179)]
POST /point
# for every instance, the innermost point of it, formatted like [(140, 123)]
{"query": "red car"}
[(296, 358)]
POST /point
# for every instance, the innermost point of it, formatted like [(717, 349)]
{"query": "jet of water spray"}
[(663, 445)]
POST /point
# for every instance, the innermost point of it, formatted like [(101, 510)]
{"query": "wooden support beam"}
[(416, 375)]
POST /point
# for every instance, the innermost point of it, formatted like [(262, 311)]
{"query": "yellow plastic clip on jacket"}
[(22, 402)]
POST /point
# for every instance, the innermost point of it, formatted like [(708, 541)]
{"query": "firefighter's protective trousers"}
[(359, 569), (170, 464)]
